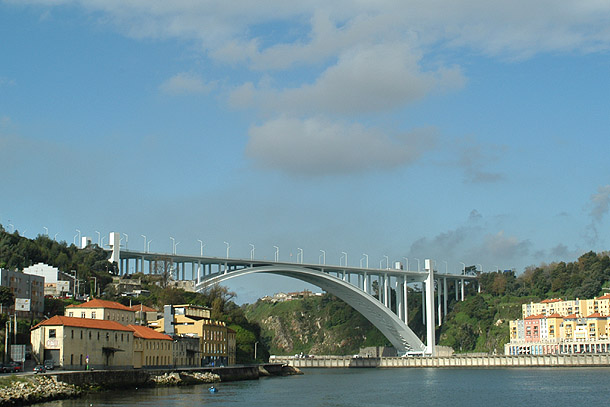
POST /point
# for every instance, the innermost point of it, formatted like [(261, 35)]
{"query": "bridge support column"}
[(430, 334), (386, 291), (462, 289), (405, 288), (366, 283), (438, 295), (398, 288), (445, 296)]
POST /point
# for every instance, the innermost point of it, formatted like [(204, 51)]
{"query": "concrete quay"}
[(456, 361)]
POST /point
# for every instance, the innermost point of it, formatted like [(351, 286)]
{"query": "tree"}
[(6, 297)]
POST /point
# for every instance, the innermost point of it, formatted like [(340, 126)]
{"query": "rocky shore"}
[(24, 390), (36, 389)]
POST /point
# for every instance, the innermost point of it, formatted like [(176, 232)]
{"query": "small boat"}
[(213, 389)]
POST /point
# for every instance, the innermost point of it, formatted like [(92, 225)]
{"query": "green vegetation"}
[(480, 323), (9, 381)]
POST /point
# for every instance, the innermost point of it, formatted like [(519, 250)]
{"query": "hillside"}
[(314, 325)]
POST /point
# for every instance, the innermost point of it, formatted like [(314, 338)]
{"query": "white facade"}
[(49, 273)]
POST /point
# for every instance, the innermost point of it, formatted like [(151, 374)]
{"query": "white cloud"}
[(318, 146), (185, 83)]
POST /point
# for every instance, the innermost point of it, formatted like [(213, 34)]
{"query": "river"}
[(539, 387)]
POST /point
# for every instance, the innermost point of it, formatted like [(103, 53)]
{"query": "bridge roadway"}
[(354, 285)]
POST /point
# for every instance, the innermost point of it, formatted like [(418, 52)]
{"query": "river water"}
[(539, 387)]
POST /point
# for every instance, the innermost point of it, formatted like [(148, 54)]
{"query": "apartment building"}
[(28, 290)]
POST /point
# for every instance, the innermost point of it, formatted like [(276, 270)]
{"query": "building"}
[(186, 351), (101, 309), (151, 348), (557, 326), (195, 321), (57, 283), (28, 291), (83, 343), (144, 314)]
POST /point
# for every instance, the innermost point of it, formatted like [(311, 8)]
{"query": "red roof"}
[(145, 332), (571, 316), (596, 315), (604, 297), (551, 300), (97, 303), (141, 307), (540, 316), (83, 323), (555, 315)]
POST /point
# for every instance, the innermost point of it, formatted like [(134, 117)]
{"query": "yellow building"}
[(81, 343), (151, 348), (101, 309), (194, 321)]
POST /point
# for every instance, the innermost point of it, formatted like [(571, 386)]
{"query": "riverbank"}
[(461, 361), (30, 389)]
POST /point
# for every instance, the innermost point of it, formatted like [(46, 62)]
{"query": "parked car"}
[(16, 367), (49, 364), (6, 368), (39, 369)]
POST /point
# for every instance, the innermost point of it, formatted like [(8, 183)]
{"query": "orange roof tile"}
[(145, 332), (555, 315), (571, 316), (540, 316), (596, 315), (604, 297), (551, 300), (83, 323), (97, 303), (141, 307)]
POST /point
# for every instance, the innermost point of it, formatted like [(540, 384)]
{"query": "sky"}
[(472, 132)]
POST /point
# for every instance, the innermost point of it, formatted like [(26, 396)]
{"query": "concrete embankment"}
[(592, 360), (57, 385)]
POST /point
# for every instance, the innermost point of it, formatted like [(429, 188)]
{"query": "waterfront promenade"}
[(465, 361)]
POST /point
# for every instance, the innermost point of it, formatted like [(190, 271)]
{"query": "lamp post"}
[(417, 263), (126, 240), (323, 256), (228, 247), (46, 229), (78, 243), (446, 266), (407, 260), (367, 259), (144, 242), (344, 254), (103, 237), (255, 349), (300, 251), (99, 238), (252, 251), (463, 267), (173, 244), (277, 253), (387, 262), (201, 247), (148, 246), (175, 247), (480, 266)]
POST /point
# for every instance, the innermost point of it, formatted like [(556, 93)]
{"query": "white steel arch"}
[(395, 330)]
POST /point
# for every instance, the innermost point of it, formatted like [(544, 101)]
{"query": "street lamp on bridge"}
[(277, 253), (463, 267), (173, 244), (144, 242), (367, 259), (228, 247), (202, 246), (252, 252), (323, 257), (299, 252)]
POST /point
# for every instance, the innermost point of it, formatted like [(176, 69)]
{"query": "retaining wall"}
[(451, 361)]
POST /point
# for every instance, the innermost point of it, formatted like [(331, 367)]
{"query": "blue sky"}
[(470, 132)]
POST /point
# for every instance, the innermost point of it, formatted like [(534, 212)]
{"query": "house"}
[(28, 291), (102, 309), (83, 343)]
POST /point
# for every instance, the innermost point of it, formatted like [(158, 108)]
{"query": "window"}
[(71, 333), (81, 334), (89, 335), (52, 333), (70, 314), (93, 315), (82, 315)]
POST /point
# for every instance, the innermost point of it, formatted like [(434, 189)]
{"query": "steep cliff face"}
[(315, 325)]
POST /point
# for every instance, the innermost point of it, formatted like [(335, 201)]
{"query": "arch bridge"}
[(354, 285)]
